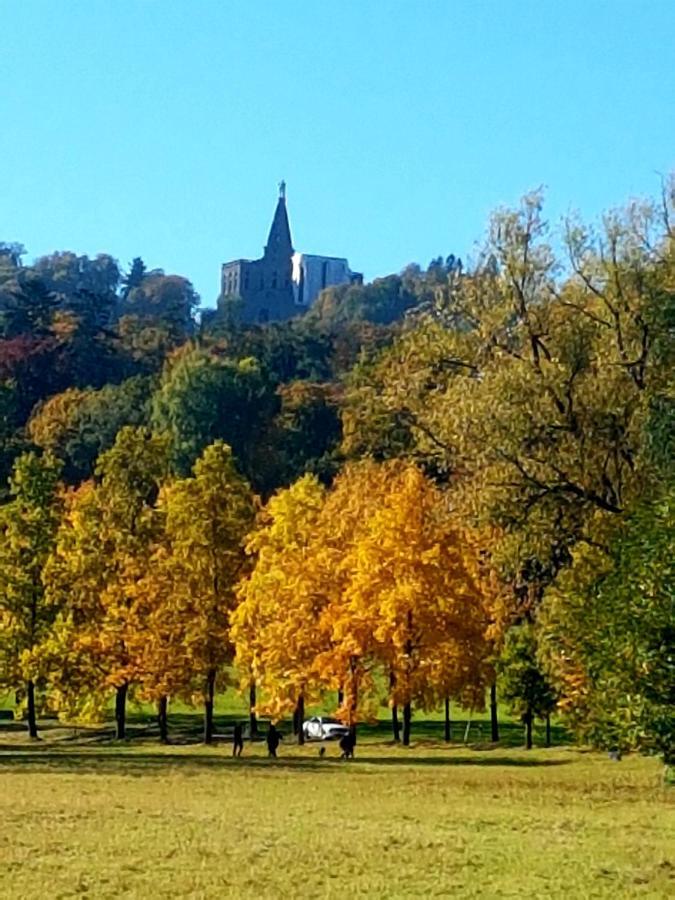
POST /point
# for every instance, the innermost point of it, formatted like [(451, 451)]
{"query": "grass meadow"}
[(84, 815)]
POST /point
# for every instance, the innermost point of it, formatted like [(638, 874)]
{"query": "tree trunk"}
[(32, 718), (341, 697), (121, 712), (528, 729), (300, 718), (353, 698), (252, 718), (548, 729), (448, 725), (407, 716), (395, 725), (407, 708), (208, 705), (162, 719), (494, 721)]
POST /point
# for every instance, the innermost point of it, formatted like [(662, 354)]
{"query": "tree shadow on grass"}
[(36, 759), (468, 732), (185, 730), (19, 726), (450, 761)]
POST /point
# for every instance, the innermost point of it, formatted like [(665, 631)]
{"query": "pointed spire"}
[(279, 242)]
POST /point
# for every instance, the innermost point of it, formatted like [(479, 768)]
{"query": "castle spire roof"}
[(279, 241)]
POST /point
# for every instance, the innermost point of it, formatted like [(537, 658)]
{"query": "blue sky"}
[(161, 129)]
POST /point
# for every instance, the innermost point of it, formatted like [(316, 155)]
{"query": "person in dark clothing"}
[(347, 746), (237, 740), (272, 741)]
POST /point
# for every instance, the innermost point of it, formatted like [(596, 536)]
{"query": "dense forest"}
[(451, 484)]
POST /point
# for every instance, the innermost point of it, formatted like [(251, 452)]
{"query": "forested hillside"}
[(451, 483)]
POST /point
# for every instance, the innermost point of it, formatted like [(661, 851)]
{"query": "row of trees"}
[(374, 505), (145, 584)]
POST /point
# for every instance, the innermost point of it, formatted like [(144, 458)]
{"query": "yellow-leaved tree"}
[(100, 554), (157, 640), (192, 578), (410, 579), (364, 581), (348, 662), (275, 625), (28, 526)]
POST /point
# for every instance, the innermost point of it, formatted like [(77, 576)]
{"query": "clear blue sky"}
[(161, 129)]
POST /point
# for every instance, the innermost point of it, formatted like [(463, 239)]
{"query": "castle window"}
[(274, 280)]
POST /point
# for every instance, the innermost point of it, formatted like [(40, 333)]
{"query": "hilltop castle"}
[(282, 283)]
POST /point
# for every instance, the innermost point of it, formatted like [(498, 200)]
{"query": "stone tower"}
[(281, 283), (264, 286)]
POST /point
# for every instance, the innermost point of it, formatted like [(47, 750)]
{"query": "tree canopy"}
[(443, 477)]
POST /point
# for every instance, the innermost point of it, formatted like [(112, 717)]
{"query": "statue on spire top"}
[(282, 189)]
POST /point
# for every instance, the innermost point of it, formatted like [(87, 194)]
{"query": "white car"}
[(323, 728)]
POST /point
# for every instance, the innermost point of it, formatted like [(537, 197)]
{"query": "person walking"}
[(237, 740), (273, 738), (347, 746)]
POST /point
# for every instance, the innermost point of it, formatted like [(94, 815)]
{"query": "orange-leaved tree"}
[(410, 602), (371, 576)]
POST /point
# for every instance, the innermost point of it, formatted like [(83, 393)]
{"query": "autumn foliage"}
[(445, 478), (366, 578)]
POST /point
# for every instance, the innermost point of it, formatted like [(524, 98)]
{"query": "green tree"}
[(531, 392), (382, 302), (523, 683), (84, 286), (29, 306), (28, 525), (12, 438), (203, 397), (134, 277), (608, 629), (308, 430), (291, 350), (167, 301), (78, 425)]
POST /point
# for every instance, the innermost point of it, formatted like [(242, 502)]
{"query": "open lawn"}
[(83, 815)]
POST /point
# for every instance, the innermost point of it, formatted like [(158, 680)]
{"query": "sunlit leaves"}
[(367, 577)]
